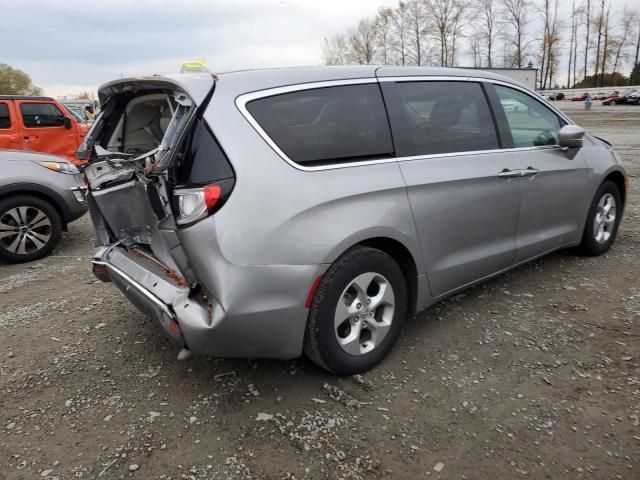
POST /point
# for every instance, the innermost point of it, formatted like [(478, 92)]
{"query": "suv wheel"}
[(29, 228), (357, 312), (602, 222)]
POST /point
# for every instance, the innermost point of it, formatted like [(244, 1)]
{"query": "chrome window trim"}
[(242, 101), (241, 104), (485, 80)]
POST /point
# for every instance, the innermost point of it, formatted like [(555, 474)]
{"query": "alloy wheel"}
[(24, 230), (605, 218), (364, 313)]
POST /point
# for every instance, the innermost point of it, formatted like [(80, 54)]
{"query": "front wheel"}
[(29, 228), (603, 220), (357, 312)]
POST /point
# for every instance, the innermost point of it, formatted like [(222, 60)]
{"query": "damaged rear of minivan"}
[(156, 173), (141, 150)]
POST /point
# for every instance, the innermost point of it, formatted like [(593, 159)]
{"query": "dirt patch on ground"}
[(533, 374)]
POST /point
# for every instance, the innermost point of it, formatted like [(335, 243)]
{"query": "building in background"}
[(527, 76)]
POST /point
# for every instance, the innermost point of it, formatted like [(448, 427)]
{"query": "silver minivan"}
[(271, 213)]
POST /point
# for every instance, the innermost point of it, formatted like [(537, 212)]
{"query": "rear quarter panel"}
[(278, 214)]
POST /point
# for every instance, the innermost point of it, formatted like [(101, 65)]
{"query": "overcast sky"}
[(70, 45), (67, 46)]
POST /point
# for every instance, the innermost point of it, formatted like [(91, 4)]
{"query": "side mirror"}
[(66, 121), (570, 136)]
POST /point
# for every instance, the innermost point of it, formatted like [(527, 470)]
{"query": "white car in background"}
[(510, 105)]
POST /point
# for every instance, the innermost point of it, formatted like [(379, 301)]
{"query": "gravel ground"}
[(533, 374)]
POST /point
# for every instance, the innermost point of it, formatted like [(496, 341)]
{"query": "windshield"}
[(74, 114)]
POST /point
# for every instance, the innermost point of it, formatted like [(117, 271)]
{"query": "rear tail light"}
[(193, 204), (211, 195)]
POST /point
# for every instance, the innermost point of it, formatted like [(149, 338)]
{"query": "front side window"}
[(39, 115), (432, 117), (531, 123), (5, 121), (327, 125)]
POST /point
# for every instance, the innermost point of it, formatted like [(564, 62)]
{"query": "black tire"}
[(321, 343), (589, 244), (32, 250)]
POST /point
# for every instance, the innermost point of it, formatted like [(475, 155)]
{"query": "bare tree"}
[(637, 55), (549, 44), (335, 50), (629, 18), (486, 25), (362, 42), (494, 33), (600, 25), (383, 26), (417, 27), (572, 52), (575, 45), (606, 47), (515, 13), (399, 21), (446, 17), (456, 29), (476, 52), (587, 13)]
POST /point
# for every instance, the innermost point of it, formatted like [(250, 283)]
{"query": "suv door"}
[(462, 188), (10, 137), (554, 183), (44, 129)]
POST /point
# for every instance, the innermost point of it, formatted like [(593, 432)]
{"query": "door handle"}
[(506, 173), (530, 172)]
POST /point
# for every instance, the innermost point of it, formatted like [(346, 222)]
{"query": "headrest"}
[(446, 112)]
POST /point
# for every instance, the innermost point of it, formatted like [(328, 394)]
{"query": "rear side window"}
[(36, 115), (202, 161), (327, 125), (5, 121), (441, 117)]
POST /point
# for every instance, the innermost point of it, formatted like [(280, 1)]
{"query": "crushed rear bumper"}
[(153, 290), (258, 322)]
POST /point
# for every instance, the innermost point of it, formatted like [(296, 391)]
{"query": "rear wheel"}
[(30, 228), (357, 312), (602, 222)]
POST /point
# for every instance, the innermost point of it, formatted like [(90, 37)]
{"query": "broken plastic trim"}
[(174, 134), (139, 287)]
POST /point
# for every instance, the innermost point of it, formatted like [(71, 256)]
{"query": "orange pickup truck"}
[(40, 124)]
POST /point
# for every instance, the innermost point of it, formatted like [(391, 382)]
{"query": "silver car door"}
[(463, 190), (554, 182)]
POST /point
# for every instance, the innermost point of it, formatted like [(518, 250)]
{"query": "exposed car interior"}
[(142, 125)]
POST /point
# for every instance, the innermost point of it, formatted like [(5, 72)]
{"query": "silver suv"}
[(40, 195), (274, 212)]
